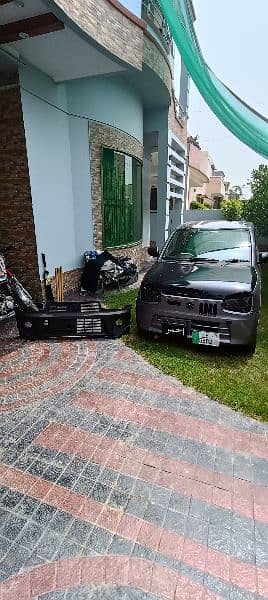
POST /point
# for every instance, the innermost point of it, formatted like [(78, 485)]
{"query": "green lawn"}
[(239, 381)]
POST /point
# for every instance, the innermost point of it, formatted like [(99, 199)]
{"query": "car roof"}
[(217, 225)]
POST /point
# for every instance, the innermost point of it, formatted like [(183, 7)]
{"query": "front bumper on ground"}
[(232, 328), (74, 319)]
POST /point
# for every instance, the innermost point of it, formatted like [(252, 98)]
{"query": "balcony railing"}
[(152, 14)]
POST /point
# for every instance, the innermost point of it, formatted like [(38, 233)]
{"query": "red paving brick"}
[(177, 424), (240, 574), (31, 365), (193, 554), (163, 582), (43, 579), (102, 570), (61, 437), (68, 573)]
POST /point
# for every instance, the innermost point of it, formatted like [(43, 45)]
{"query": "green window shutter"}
[(122, 198)]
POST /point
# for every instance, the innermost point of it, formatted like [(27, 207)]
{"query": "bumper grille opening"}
[(87, 326)]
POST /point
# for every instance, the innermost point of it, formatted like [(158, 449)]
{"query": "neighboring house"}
[(205, 183), (85, 97)]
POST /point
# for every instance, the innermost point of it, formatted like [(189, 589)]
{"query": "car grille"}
[(208, 309)]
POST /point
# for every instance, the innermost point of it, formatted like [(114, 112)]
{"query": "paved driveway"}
[(119, 482)]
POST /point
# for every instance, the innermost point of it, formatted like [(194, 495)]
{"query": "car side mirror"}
[(153, 251), (263, 257)]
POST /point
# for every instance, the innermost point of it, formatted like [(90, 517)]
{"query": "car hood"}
[(200, 279)]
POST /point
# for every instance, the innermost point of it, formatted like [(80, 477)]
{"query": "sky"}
[(233, 35)]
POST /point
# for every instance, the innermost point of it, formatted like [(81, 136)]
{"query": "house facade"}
[(86, 101), (205, 183)]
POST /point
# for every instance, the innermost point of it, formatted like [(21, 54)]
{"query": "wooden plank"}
[(38, 25)]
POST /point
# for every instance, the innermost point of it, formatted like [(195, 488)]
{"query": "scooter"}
[(12, 292), (103, 270)]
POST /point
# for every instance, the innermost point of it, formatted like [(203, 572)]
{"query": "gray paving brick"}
[(100, 492), (125, 483), (99, 540), (11, 499), (12, 527), (118, 498), (52, 473), (155, 514), (84, 485), (160, 496), (79, 531), (243, 549), (37, 467), (179, 503), (14, 560), (68, 550), (197, 529), (53, 596), (4, 546), (141, 490), (30, 535), (175, 521), (108, 476), (92, 471), (67, 478), (262, 554), (219, 538), (143, 552), (120, 546), (44, 514), (60, 522), (261, 532), (136, 506), (49, 544)]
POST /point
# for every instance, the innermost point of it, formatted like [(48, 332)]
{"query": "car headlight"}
[(149, 294), (239, 303)]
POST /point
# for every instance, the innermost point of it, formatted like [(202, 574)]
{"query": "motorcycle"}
[(103, 270), (12, 292)]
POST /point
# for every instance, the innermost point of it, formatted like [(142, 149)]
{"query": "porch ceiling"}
[(61, 54), (152, 89)]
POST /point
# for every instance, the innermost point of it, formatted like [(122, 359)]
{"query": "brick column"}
[(16, 219)]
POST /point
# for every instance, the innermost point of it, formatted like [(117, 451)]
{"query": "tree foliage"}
[(195, 205), (232, 209), (256, 209)]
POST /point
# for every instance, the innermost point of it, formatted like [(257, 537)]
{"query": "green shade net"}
[(242, 120)]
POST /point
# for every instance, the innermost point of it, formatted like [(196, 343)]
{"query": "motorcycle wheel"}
[(21, 296)]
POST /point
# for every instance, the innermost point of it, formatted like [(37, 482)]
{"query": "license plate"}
[(179, 330), (206, 338)]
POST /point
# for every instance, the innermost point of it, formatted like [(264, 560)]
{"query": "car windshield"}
[(232, 245)]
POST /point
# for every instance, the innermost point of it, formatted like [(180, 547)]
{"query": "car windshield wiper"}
[(201, 259), (180, 256), (236, 260)]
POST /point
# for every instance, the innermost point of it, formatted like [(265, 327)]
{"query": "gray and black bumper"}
[(74, 319), (233, 328)]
